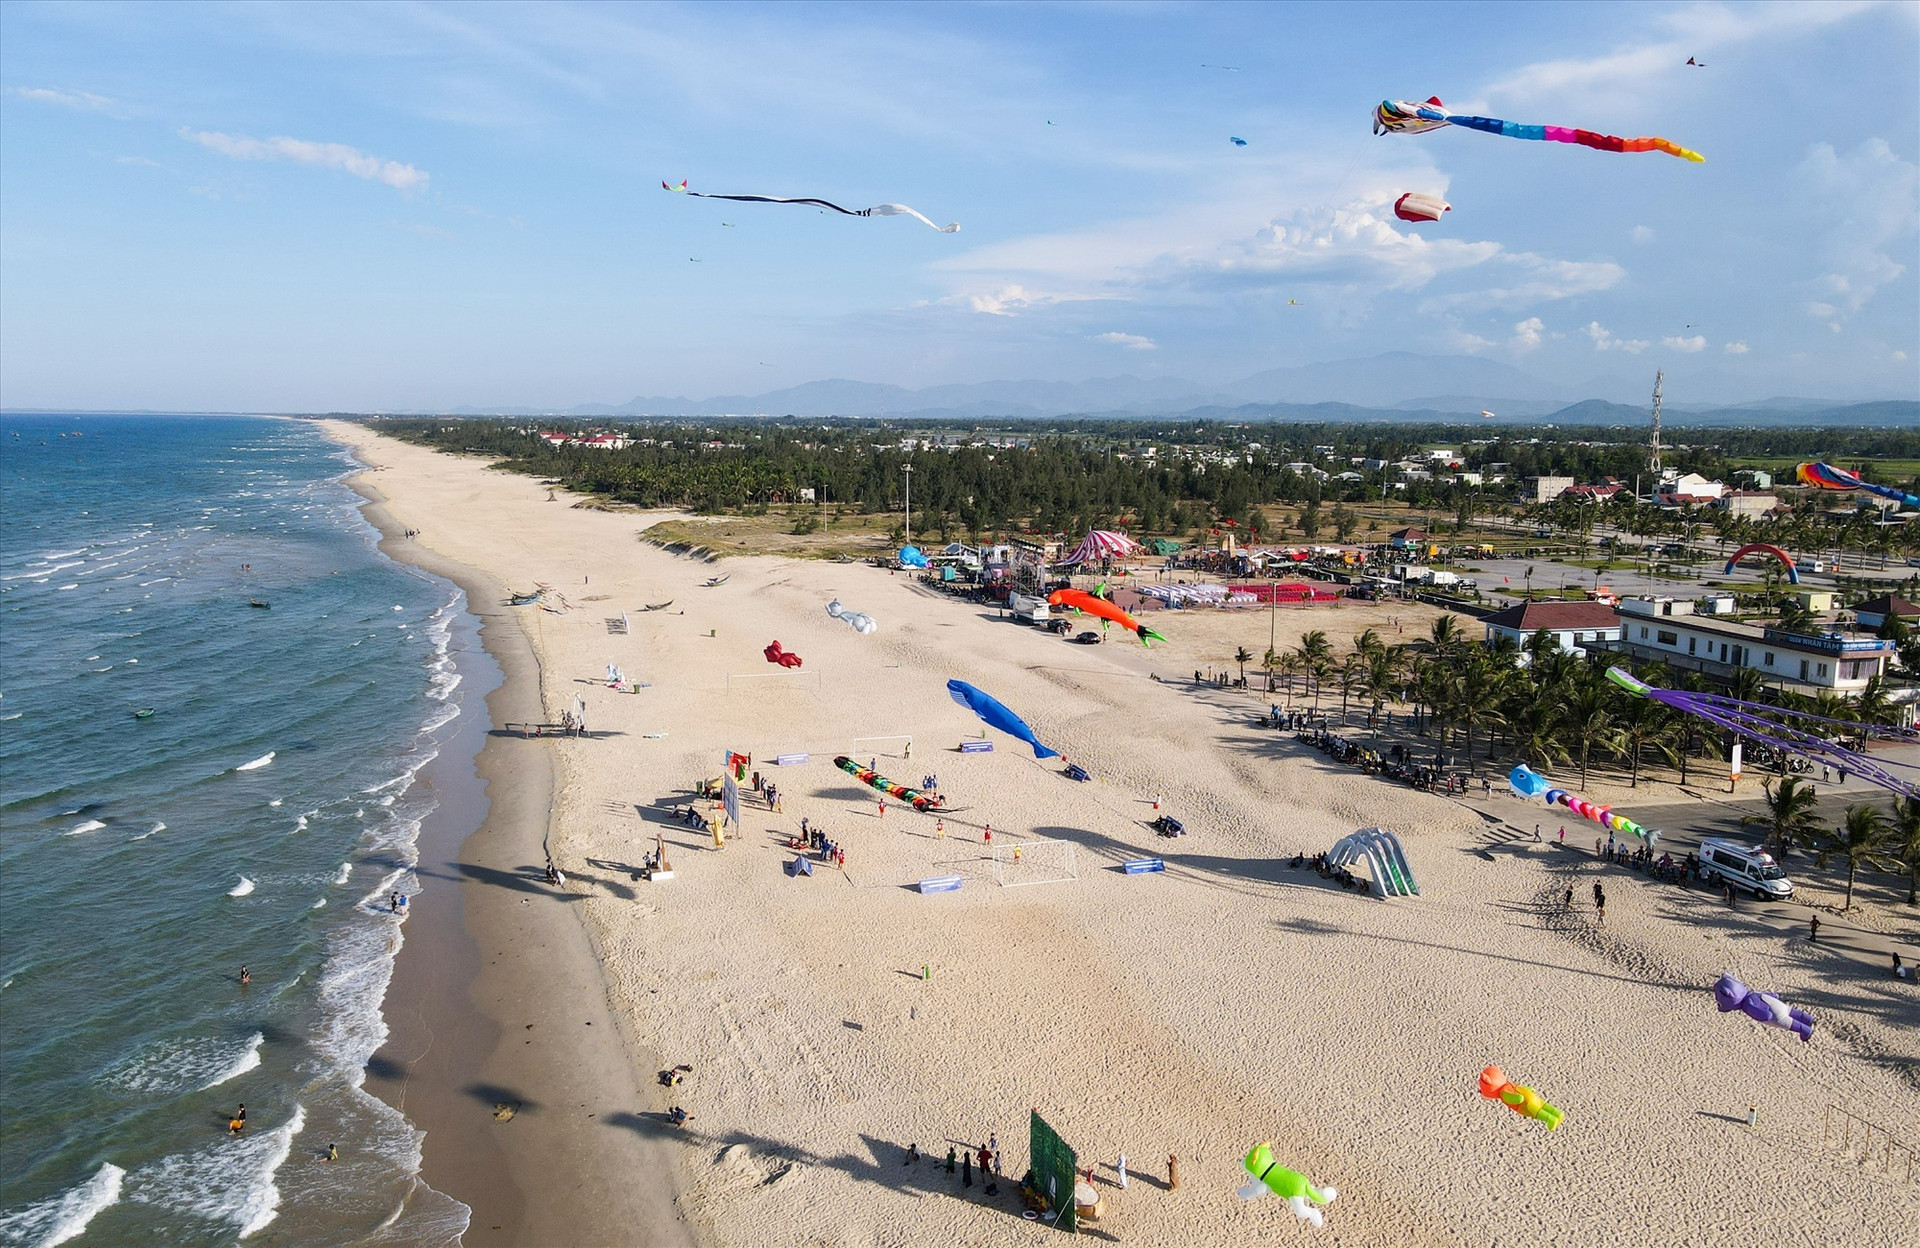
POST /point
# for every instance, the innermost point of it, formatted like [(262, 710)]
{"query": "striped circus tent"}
[(1102, 544)]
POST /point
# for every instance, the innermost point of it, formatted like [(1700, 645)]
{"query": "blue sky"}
[(398, 206)]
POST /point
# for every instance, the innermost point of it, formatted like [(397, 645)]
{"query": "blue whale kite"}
[(989, 708)]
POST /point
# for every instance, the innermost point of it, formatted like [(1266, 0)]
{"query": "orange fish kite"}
[(1080, 600)]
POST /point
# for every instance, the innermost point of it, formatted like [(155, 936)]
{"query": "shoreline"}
[(469, 1037)]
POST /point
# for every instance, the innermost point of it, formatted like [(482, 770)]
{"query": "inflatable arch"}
[(1761, 548), (1386, 861)]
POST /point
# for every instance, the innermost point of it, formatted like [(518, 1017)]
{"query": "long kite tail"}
[(878, 210), (1568, 134)]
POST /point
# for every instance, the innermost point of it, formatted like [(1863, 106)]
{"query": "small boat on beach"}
[(145, 712), (658, 606), (255, 602), (714, 582), (524, 600)]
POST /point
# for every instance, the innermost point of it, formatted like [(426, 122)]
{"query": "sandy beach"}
[(1229, 1000)]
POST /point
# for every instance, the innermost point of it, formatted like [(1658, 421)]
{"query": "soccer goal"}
[(1033, 862), (892, 747)]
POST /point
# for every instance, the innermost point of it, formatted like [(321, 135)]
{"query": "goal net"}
[(1033, 862)]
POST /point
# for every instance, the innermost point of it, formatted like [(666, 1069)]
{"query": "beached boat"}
[(658, 606), (255, 602), (716, 581), (524, 600)]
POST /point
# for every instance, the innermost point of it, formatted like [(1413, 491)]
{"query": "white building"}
[(1572, 624), (1802, 660)]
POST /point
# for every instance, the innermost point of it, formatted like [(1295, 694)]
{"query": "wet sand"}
[(497, 998)]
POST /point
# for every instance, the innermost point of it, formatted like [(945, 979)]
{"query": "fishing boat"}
[(255, 602), (714, 582), (524, 600), (658, 606), (145, 712)]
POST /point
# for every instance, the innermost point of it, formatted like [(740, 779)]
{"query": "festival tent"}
[(1102, 544)]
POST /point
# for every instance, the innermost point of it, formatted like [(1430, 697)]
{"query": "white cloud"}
[(1011, 300), (1735, 348), (1132, 342), (1641, 234), (1621, 78), (1898, 356), (1603, 340), (1865, 200), (66, 99), (1526, 334), (404, 178), (1686, 346)]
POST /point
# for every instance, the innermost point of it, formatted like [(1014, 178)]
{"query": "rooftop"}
[(1531, 617)]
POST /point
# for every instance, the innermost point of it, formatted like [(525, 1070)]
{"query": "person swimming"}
[(238, 1123)]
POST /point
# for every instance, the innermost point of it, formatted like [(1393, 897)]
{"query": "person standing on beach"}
[(966, 1170), (1123, 1172), (950, 1157), (1173, 1172), (1813, 929), (883, 808), (1566, 902)]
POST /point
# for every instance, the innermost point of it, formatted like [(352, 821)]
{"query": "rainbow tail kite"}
[(1827, 477), (1411, 117)]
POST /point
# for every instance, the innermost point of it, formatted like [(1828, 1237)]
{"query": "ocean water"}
[(262, 816)]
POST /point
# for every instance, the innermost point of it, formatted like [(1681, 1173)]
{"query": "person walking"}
[(993, 1146), (1123, 1172), (1173, 1172), (1813, 929), (1566, 903)]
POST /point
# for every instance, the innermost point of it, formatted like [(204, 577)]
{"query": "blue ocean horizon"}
[(262, 815)]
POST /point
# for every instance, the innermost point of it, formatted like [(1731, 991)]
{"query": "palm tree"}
[(1316, 659), (1589, 717), (1790, 816), (1478, 698), (1645, 724), (1382, 676), (1862, 837), (1906, 842), (1538, 725), (1446, 637), (1873, 707), (1243, 656)]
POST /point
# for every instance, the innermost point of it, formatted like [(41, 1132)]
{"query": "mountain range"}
[(1398, 385)]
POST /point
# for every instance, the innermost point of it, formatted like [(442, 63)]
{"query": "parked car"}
[(1088, 638)]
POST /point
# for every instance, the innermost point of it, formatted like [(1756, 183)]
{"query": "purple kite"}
[(1762, 1007)]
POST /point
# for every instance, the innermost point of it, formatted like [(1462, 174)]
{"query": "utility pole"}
[(908, 469)]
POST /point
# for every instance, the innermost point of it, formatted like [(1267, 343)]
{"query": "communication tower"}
[(1653, 460)]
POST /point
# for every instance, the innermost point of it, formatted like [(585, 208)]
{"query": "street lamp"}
[(908, 469)]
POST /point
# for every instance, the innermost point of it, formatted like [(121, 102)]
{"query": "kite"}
[(1761, 548), (1523, 1101), (911, 557), (1080, 600), (1290, 1185), (990, 709), (1791, 732), (1486, 415), (1414, 206), (878, 210), (873, 779), (1827, 477), (1529, 783), (1236, 140), (1762, 1007), (858, 621), (1411, 117), (1696, 64), (785, 658)]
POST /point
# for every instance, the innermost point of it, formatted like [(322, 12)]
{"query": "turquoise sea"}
[(263, 816)]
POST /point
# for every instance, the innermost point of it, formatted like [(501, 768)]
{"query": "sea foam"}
[(61, 1218)]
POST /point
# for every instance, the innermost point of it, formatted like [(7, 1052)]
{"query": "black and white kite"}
[(878, 210)]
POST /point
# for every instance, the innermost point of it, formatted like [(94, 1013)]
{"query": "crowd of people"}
[(1395, 764)]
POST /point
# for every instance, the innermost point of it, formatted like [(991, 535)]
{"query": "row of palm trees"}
[(1540, 704)]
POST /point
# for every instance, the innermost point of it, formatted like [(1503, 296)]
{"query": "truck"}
[(1028, 610)]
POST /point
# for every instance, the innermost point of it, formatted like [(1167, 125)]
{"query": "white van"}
[(1745, 867)]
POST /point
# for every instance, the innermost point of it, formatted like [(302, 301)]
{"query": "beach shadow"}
[(1735, 1119), (385, 1068), (494, 1096), (1501, 957)]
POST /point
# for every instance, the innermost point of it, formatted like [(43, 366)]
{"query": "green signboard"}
[(1055, 1170)]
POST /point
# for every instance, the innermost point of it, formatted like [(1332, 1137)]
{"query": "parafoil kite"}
[(911, 557), (1761, 548), (1526, 782), (1827, 477), (1762, 1007), (873, 779), (784, 658), (878, 210), (1414, 206), (1080, 600), (1495, 1086), (1236, 140), (1290, 1185), (858, 621), (990, 709), (1411, 117)]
